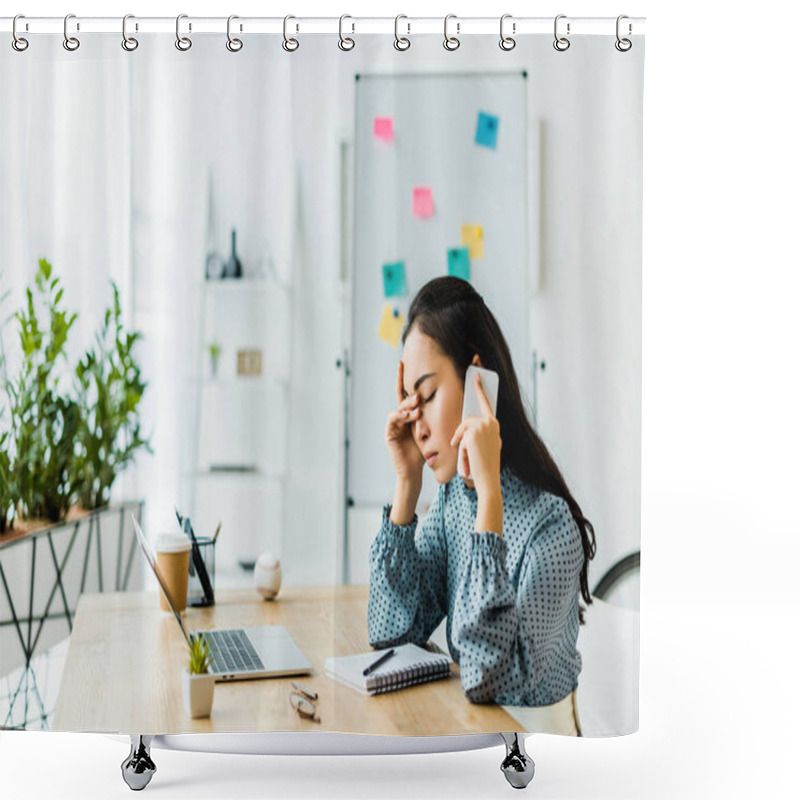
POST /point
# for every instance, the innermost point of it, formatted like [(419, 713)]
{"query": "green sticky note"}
[(486, 133), (458, 262), (394, 280)]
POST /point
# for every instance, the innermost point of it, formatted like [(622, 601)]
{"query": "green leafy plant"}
[(110, 389), (65, 443), (199, 654), (44, 420), (7, 488)]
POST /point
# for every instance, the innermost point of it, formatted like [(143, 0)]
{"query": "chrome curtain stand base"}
[(138, 768), (517, 766)]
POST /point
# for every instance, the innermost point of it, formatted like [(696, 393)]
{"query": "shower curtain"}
[(213, 250)]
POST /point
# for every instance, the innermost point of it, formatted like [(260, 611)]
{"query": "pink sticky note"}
[(423, 201), (384, 128)]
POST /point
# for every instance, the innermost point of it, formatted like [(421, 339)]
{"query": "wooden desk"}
[(122, 672)]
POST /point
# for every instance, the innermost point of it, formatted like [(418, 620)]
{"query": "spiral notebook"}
[(409, 666)]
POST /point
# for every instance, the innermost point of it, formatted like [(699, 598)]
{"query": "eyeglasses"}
[(302, 700)]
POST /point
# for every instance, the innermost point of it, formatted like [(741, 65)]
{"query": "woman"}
[(503, 555)]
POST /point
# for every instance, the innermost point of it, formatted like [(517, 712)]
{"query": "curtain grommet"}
[(71, 43), (561, 43), (346, 43), (183, 43), (128, 42), (234, 45), (19, 43), (290, 44), (451, 43), (401, 43), (507, 42)]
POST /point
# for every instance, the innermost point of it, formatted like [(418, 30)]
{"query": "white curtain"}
[(65, 193)]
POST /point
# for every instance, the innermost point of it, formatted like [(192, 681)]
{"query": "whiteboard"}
[(435, 123)]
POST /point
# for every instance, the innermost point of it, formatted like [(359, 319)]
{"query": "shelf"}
[(243, 473), (243, 381), (244, 285), (235, 284)]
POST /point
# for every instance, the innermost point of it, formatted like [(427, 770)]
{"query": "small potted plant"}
[(198, 682), (214, 351)]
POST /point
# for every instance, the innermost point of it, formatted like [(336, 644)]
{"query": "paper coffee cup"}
[(173, 551)]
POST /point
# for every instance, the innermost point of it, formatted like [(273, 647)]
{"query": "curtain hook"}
[(561, 43), (183, 43), (289, 45), (451, 42), (234, 45), (128, 42), (623, 45), (71, 43), (18, 43), (401, 42), (507, 42), (346, 43)]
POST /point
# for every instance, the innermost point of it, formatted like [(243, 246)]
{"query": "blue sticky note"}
[(394, 280), (486, 134), (458, 262)]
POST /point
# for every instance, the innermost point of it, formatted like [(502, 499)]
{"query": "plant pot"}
[(198, 693)]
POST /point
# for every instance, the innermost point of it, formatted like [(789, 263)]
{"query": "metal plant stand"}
[(44, 599)]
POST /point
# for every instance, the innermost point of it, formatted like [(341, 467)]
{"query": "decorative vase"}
[(198, 693), (233, 269)]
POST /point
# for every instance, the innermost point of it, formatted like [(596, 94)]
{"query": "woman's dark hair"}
[(450, 311)]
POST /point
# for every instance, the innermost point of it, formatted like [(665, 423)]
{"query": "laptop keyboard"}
[(232, 652)]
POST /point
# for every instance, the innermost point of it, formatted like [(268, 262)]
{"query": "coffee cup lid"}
[(172, 543)]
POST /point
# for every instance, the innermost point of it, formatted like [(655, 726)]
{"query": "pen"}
[(216, 533), (382, 660)]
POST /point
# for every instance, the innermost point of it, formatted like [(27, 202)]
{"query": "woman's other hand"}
[(406, 456), (482, 444)]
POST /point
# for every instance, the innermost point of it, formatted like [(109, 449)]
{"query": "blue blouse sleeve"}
[(407, 583), (506, 637)]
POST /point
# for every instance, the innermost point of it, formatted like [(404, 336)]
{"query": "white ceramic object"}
[(267, 576), (198, 694)]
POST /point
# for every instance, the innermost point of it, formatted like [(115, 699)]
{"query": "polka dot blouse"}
[(511, 602)]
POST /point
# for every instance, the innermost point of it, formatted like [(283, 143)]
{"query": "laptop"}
[(239, 654)]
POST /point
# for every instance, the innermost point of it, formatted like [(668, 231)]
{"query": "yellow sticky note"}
[(472, 237), (391, 326)]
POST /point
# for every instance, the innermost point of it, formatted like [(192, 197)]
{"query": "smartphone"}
[(472, 407)]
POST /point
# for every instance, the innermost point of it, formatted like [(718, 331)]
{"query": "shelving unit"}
[(233, 454)]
